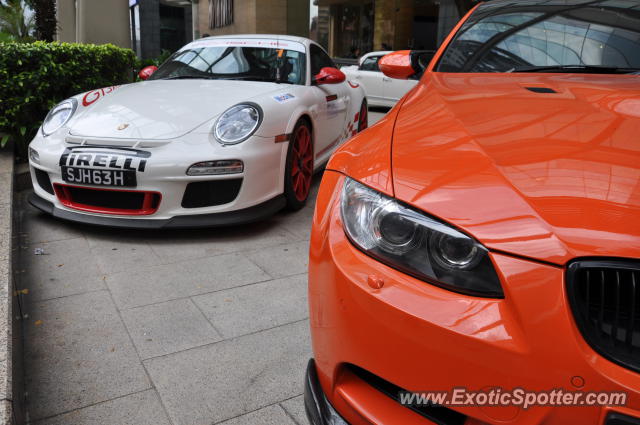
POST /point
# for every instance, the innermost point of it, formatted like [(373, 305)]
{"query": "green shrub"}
[(157, 61), (34, 77)]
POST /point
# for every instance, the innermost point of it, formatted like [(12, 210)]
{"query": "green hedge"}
[(36, 76)]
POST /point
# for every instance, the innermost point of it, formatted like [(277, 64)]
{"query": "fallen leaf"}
[(38, 322)]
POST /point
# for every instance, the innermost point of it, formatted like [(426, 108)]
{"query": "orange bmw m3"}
[(475, 256)]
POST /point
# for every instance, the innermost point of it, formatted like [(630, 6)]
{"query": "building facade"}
[(91, 21), (348, 28), (157, 26), (290, 17)]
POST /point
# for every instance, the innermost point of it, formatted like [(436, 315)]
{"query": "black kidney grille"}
[(615, 418), (605, 298)]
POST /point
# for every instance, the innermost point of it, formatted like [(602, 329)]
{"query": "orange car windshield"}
[(593, 37)]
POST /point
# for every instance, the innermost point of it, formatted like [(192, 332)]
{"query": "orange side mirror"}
[(147, 71), (397, 65)]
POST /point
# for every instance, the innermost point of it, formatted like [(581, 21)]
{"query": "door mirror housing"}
[(405, 64), (397, 65), (147, 71), (329, 76)]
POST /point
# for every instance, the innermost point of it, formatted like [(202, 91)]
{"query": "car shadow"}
[(299, 220)]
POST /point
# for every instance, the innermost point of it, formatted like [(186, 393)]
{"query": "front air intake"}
[(211, 193)]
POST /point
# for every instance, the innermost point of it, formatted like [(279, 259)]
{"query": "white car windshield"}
[(235, 63)]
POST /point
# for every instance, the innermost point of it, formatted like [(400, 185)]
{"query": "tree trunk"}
[(46, 23)]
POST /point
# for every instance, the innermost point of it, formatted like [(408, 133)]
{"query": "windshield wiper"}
[(256, 78), (215, 77), (188, 77), (584, 69)]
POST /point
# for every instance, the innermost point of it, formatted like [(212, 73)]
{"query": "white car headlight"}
[(58, 116), (413, 242), (237, 123)]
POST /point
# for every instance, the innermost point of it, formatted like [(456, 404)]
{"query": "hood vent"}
[(541, 90)]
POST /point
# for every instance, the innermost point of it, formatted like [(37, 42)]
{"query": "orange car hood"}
[(542, 166)]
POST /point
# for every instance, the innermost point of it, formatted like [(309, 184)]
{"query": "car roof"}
[(491, 4), (262, 36)]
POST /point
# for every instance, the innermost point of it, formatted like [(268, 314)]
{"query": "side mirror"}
[(329, 76), (405, 64), (147, 71), (397, 65)]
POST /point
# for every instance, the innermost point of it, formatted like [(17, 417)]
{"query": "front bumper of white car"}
[(164, 195)]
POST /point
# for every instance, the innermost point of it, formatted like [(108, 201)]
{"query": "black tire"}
[(298, 172), (363, 123)]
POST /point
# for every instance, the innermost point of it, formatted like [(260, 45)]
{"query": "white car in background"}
[(228, 130), (379, 89)]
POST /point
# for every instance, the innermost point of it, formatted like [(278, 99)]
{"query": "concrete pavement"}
[(172, 327)]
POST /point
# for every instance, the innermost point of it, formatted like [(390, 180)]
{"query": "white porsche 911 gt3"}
[(228, 130)]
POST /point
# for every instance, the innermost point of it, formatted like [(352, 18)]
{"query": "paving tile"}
[(271, 415), (282, 260), (187, 245), (376, 114), (168, 327), (141, 408), (295, 409), (5, 181), (38, 227), (115, 255), (6, 381), (180, 280), (253, 308), (297, 222), (77, 353), (224, 380), (315, 186), (6, 248), (66, 268), (6, 412)]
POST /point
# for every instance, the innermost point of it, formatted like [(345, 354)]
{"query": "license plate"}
[(118, 178)]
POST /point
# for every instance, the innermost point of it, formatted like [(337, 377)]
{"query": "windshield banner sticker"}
[(231, 42)]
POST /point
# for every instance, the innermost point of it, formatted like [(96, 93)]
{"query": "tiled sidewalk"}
[(174, 327)]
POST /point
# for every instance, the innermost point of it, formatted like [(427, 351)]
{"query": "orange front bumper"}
[(424, 338)]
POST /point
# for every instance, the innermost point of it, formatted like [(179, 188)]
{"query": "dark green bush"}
[(157, 61), (34, 77)]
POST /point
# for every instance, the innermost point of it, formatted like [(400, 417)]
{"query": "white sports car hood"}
[(161, 109)]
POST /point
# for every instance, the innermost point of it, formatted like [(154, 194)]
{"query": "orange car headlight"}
[(413, 242)]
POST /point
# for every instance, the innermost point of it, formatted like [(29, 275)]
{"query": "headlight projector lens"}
[(415, 243)]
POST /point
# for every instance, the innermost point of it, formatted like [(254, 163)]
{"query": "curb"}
[(22, 177), (10, 312)]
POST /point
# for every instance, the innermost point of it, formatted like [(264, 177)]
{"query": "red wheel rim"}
[(302, 163), (364, 121)]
